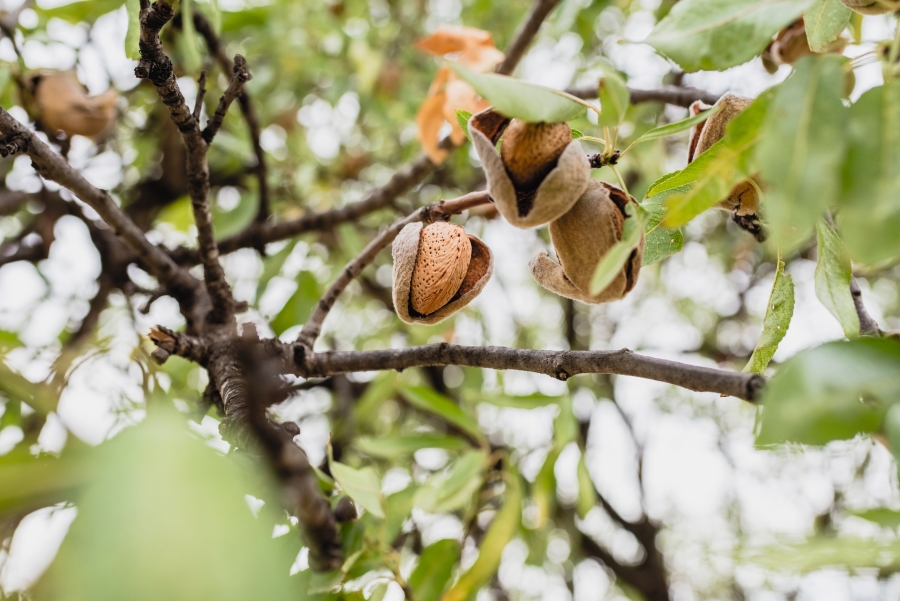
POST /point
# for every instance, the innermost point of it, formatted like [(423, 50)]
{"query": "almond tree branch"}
[(440, 210), (525, 34), (52, 166), (676, 95), (239, 77), (561, 365), (157, 67), (867, 325)]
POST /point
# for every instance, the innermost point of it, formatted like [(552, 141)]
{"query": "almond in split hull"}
[(530, 150), (441, 265)]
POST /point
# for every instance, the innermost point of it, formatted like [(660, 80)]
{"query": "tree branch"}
[(441, 210), (156, 66), (525, 34), (676, 95), (239, 77), (561, 365), (52, 166), (867, 325)]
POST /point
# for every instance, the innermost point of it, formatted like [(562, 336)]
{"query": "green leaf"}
[(660, 242), (377, 392), (831, 392), (576, 134), (779, 311), (718, 34), (825, 21), (824, 551), (499, 533), (435, 568), (565, 427), (664, 131), (516, 99), (299, 307), (79, 12), (531, 401), (462, 117), (392, 447), (543, 491), (363, 486), (174, 512), (714, 173), (192, 60), (587, 495), (133, 34), (454, 490), (833, 275), (801, 148), (869, 219), (887, 518), (614, 97), (399, 507), (426, 399), (891, 428), (615, 258)]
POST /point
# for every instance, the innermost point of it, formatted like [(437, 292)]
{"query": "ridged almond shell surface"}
[(441, 265)]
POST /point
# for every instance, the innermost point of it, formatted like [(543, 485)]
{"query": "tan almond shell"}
[(866, 7), (405, 251), (65, 106), (555, 195), (441, 266), (581, 238), (743, 197)]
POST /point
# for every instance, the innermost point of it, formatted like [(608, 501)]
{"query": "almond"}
[(65, 106), (530, 150), (441, 265), (868, 7)]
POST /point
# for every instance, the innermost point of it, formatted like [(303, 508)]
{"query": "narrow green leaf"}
[(614, 97), (431, 576), (825, 21), (299, 307), (399, 507), (831, 392), (576, 134), (543, 491), (713, 174), (462, 117), (426, 399), (869, 219), (660, 242), (531, 401), (888, 518), (587, 495), (718, 34), (392, 447), (616, 257), (565, 427), (891, 429), (192, 60), (517, 99), (819, 552), (801, 148), (499, 533), (363, 486), (454, 490), (133, 34), (664, 131), (833, 275), (779, 311)]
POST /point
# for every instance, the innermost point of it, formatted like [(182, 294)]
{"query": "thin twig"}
[(561, 365), (525, 34), (867, 325), (675, 95), (51, 166), (240, 76), (201, 92), (157, 67), (440, 210)]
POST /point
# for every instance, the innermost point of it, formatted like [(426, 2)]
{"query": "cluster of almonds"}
[(540, 176)]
